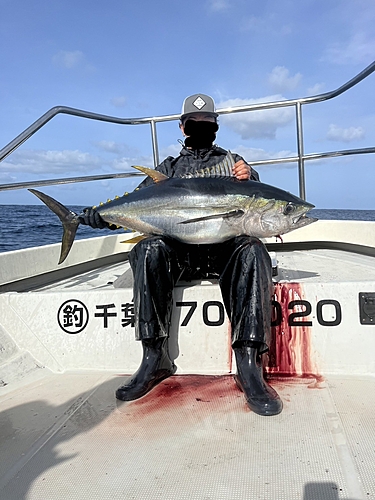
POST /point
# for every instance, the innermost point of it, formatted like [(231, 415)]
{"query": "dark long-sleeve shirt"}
[(189, 161)]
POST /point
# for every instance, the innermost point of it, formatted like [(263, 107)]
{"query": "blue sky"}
[(139, 59)]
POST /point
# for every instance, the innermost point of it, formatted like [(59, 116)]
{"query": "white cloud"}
[(256, 124), (269, 24), (352, 33), (218, 5), (280, 79), (255, 24), (67, 163), (336, 133), (257, 154), (172, 150), (111, 147), (119, 102), (68, 59), (51, 162), (117, 148), (359, 48), (124, 164), (6, 178), (316, 89)]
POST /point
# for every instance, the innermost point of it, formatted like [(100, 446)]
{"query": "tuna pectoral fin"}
[(225, 215), (69, 219)]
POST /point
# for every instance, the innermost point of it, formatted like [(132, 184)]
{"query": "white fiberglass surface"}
[(66, 436)]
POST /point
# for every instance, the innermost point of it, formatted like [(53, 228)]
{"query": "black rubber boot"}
[(260, 397), (155, 367)]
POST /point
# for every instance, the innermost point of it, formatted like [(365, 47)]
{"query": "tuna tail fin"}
[(69, 219)]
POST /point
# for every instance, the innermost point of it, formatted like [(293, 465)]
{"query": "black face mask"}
[(200, 134)]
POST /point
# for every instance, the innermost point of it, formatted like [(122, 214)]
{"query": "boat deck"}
[(64, 435), (193, 437), (305, 266)]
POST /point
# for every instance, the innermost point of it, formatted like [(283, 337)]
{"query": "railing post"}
[(155, 149), (301, 161)]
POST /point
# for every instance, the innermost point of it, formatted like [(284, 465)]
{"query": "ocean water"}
[(24, 226)]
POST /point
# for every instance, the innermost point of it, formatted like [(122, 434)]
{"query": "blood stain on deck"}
[(291, 351), (181, 402)]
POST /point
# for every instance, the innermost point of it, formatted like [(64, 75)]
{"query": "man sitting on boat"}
[(242, 266)]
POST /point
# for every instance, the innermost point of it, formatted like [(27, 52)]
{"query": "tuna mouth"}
[(303, 219)]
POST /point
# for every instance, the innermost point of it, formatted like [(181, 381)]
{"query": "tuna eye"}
[(289, 209)]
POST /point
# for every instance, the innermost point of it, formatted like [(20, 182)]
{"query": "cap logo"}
[(199, 103)]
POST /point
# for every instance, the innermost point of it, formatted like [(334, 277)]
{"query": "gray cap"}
[(198, 103)]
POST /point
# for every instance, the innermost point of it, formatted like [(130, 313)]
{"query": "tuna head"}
[(276, 215)]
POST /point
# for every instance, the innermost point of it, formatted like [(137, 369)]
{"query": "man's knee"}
[(251, 244), (149, 248)]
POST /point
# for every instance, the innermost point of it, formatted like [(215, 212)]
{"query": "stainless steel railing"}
[(152, 121)]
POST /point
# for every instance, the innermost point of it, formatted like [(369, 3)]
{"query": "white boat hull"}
[(86, 321)]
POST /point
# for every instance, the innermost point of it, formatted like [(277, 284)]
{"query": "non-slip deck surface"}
[(304, 266), (193, 437)]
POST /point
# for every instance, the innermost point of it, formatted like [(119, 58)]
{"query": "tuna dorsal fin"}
[(154, 174), (222, 169)]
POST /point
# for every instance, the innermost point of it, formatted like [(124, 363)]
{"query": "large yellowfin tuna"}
[(209, 208)]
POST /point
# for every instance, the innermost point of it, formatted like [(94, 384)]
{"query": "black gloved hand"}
[(90, 217)]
